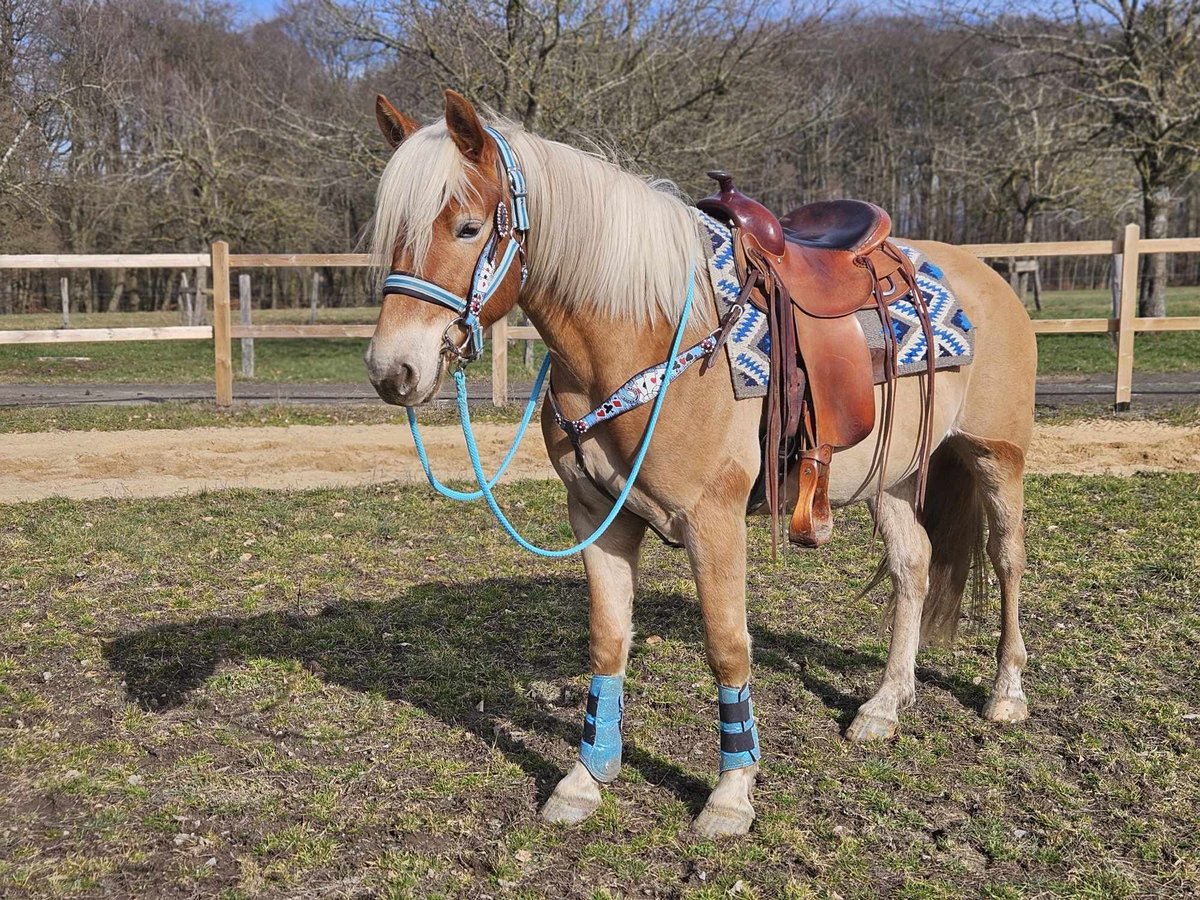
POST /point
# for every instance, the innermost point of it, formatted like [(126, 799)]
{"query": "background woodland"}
[(159, 125)]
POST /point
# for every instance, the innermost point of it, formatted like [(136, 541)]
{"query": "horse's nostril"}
[(406, 378)]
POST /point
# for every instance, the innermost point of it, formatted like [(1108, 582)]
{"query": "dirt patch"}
[(82, 465), (1103, 447)]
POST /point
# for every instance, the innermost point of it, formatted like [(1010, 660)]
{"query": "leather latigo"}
[(811, 271)]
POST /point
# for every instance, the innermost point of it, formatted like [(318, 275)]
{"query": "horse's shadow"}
[(444, 647)]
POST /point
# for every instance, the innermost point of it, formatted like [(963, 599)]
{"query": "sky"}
[(256, 9)]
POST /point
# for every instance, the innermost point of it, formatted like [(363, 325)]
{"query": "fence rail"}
[(1126, 250)]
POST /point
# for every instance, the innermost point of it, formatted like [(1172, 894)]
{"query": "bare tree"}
[(1135, 66)]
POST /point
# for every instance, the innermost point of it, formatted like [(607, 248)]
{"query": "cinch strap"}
[(600, 749), (739, 730)]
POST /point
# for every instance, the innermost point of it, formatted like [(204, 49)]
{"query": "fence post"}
[(222, 349), (64, 285), (1125, 317), (500, 361), (244, 305), (314, 297)]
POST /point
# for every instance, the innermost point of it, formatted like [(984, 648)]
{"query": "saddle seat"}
[(834, 224), (829, 259)]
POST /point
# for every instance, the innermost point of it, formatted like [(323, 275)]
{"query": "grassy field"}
[(16, 419), (186, 362), (1067, 354), (341, 360), (367, 692)]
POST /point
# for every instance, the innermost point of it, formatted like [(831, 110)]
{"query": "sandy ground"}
[(167, 462)]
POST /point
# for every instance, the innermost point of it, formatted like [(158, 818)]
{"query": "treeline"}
[(157, 125)]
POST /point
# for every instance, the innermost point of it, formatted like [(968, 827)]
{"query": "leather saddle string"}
[(883, 444), (787, 395), (774, 411)]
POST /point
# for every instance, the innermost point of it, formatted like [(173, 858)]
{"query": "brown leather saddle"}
[(811, 271)]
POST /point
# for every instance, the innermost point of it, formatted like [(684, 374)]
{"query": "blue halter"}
[(489, 273)]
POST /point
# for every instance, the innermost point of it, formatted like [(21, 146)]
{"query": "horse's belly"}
[(848, 472)]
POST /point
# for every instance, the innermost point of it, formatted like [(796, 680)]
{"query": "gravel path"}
[(165, 462)]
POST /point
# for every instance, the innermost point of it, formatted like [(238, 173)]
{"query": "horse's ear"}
[(465, 127), (395, 125)]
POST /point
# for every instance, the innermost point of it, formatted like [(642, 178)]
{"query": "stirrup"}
[(812, 520)]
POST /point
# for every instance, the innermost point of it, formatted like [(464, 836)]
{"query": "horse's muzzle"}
[(398, 387), (399, 383)]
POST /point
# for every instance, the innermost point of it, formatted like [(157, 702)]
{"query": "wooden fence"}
[(1127, 250)]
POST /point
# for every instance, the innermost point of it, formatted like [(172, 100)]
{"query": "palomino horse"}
[(608, 270)]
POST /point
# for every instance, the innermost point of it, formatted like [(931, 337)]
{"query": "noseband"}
[(489, 272)]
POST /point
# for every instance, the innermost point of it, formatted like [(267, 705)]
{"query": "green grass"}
[(1089, 354), (16, 419), (333, 360), (366, 692)]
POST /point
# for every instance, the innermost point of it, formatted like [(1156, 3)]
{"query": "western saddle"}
[(810, 272)]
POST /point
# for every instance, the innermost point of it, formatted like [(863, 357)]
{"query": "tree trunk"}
[(1153, 300), (118, 288)]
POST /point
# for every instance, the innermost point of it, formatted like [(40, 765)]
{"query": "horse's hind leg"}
[(611, 566), (908, 554), (999, 466)]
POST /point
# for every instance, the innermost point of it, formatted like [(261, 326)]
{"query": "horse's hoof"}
[(1006, 709), (870, 727), (724, 821), (575, 798), (569, 810)]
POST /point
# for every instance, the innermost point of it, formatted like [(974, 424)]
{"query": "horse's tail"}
[(954, 519)]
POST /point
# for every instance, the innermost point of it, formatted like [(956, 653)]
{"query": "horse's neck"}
[(594, 353), (597, 345)]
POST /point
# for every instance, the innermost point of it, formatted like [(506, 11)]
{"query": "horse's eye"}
[(470, 229)]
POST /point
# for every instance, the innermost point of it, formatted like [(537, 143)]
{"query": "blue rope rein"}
[(461, 496), (486, 485)]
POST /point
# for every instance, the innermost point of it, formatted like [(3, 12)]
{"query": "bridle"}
[(508, 228)]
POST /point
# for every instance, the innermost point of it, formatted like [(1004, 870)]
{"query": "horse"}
[(609, 259)]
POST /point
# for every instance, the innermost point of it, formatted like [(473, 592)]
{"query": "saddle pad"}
[(749, 344)]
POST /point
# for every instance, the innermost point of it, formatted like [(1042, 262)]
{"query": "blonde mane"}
[(600, 239)]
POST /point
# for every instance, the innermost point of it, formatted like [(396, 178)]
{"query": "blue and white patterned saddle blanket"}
[(749, 344)]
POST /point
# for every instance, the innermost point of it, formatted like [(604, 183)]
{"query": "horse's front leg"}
[(611, 566), (717, 546)]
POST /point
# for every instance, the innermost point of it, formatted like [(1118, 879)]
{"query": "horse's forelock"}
[(424, 174)]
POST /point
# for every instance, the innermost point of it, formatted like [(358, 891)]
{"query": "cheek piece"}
[(491, 267)]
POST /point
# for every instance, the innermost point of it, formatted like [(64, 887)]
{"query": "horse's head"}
[(442, 199)]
